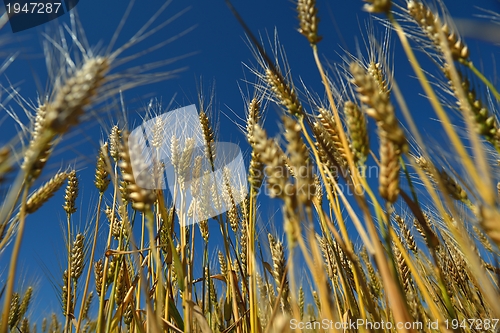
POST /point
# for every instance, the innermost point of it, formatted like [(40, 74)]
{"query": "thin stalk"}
[(11, 279), (143, 241), (254, 314), (100, 314), (483, 79), (89, 272), (68, 286), (119, 262)]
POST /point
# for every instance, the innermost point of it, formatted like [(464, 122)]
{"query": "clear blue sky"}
[(221, 51)]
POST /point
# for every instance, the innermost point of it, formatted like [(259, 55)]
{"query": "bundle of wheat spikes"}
[(427, 259)]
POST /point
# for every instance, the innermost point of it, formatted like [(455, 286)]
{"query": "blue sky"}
[(221, 50)]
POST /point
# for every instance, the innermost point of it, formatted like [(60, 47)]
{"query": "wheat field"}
[(379, 228)]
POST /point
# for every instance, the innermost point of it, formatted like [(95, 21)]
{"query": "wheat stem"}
[(483, 79), (91, 260), (11, 279)]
